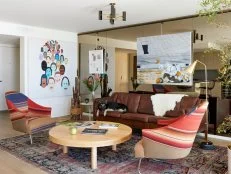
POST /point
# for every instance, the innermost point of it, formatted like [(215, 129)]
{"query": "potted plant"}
[(224, 75), (225, 128), (71, 125), (210, 9)]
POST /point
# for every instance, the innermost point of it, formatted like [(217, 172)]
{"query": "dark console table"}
[(217, 110), (142, 92)]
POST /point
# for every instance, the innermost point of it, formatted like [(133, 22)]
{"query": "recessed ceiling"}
[(211, 33), (82, 15)]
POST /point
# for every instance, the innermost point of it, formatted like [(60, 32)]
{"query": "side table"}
[(75, 113), (89, 107)]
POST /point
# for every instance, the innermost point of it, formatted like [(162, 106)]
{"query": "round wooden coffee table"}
[(61, 135)]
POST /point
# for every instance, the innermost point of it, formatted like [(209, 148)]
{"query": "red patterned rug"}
[(49, 157)]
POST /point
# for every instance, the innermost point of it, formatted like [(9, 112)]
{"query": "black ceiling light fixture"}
[(112, 16)]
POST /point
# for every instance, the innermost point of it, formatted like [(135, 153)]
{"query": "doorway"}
[(123, 69), (9, 66)]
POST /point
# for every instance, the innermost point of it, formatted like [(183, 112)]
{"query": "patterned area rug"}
[(50, 158)]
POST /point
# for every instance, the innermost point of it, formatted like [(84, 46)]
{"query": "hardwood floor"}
[(9, 164)]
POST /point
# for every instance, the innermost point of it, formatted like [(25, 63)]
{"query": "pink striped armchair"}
[(27, 116), (172, 141)]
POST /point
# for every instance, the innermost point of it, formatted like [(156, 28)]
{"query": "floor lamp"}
[(207, 145)]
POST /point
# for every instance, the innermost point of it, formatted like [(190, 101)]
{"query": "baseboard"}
[(215, 136)]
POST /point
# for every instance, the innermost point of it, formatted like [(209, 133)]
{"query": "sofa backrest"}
[(135, 102), (141, 103)]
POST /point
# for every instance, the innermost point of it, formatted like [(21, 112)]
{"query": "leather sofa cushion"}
[(133, 102), (122, 97), (110, 114), (153, 119), (136, 116), (114, 96), (187, 103), (145, 105)]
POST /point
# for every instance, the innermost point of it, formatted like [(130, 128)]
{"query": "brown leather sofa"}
[(140, 110)]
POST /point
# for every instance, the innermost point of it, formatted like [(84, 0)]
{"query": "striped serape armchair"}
[(172, 141), (27, 116)]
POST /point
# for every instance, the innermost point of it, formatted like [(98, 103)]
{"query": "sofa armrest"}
[(34, 106), (36, 110)]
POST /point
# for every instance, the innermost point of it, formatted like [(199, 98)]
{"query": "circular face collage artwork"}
[(53, 64)]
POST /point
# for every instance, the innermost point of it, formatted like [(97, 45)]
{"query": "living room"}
[(23, 44)]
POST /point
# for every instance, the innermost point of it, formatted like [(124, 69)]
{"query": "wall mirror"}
[(120, 45)]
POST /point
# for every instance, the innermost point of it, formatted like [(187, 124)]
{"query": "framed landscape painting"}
[(162, 59)]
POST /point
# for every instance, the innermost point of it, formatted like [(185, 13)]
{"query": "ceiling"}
[(82, 15), (211, 33)]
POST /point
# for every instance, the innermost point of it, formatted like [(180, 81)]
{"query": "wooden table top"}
[(61, 135)]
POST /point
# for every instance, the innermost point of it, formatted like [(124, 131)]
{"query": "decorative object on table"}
[(207, 145), (92, 83), (225, 126), (94, 131), (112, 15), (73, 130), (135, 83), (76, 111), (86, 100), (71, 125), (109, 125)]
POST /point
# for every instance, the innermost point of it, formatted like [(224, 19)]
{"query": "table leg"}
[(65, 149), (94, 157), (114, 147)]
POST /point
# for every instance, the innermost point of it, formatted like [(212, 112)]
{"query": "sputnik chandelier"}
[(112, 16)]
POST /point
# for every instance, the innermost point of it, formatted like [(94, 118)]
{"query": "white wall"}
[(9, 71), (60, 105)]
